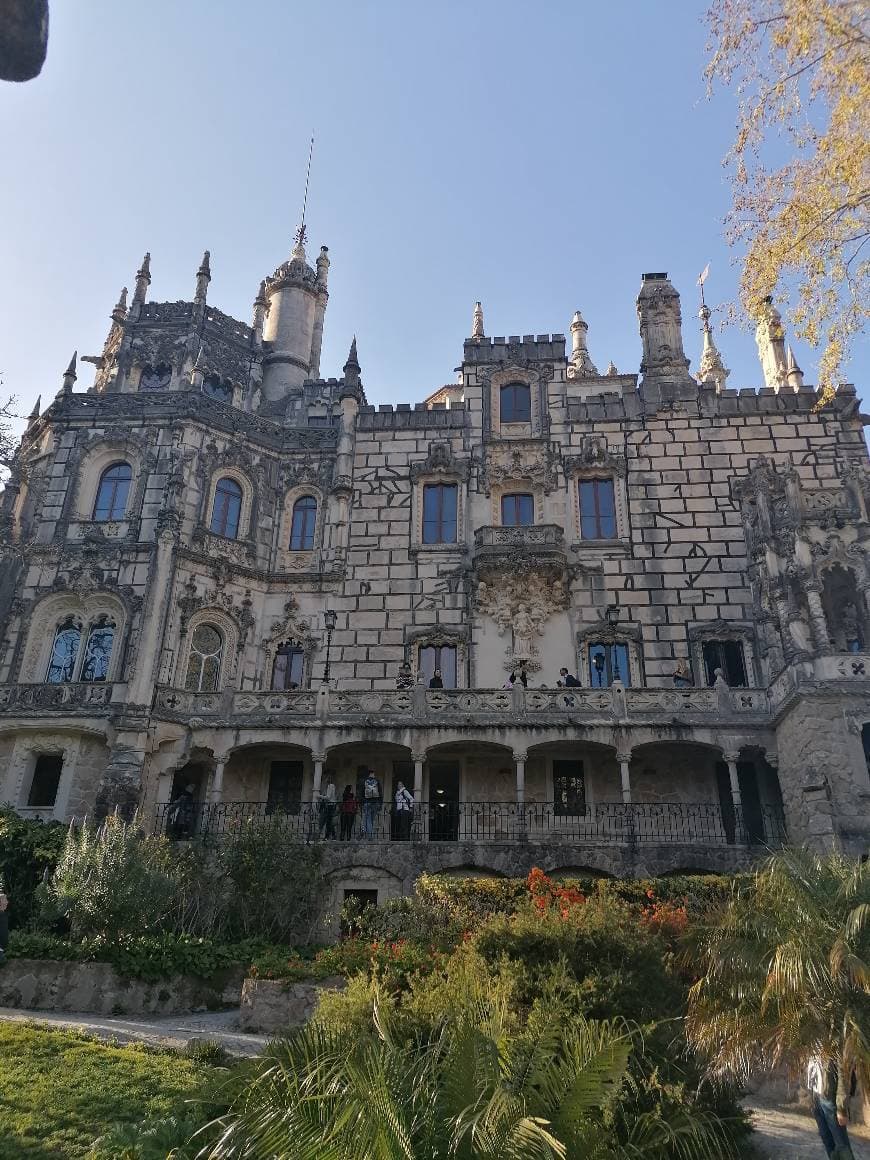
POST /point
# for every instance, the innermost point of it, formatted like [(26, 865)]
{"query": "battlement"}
[(544, 347), (404, 415)]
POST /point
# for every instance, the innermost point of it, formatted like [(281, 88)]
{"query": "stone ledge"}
[(270, 1006)]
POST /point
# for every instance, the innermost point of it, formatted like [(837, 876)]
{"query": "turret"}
[(319, 311), (770, 339), (658, 313), (581, 363), (203, 277), (69, 377), (120, 311), (293, 295), (352, 369)]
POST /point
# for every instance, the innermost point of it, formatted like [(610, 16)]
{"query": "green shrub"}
[(28, 850)]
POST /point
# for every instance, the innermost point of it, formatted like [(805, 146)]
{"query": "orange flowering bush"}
[(549, 897)]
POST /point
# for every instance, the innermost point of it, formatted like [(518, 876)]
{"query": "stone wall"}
[(269, 1007), (98, 989)]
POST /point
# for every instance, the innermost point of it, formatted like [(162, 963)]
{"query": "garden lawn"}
[(60, 1090)]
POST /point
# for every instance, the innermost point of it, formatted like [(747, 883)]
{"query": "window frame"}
[(515, 496), (222, 518), (116, 509), (101, 625), (309, 517), (440, 520), (437, 663), (219, 389), (608, 648), (524, 418), (293, 650), (597, 516), (720, 643), (193, 652), (73, 625)]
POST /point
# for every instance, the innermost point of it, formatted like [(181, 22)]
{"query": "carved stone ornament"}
[(522, 604), (439, 461), (312, 471), (519, 460), (595, 455), (291, 626)]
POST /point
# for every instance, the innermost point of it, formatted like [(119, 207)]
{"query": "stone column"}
[(730, 760), (217, 780), (818, 622), (624, 760), (319, 759), (520, 762), (152, 621), (418, 759)]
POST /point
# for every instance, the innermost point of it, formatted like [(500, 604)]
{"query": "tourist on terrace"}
[(569, 681), (682, 676), (349, 810), (404, 812), (510, 682), (326, 812), (435, 681), (372, 800)]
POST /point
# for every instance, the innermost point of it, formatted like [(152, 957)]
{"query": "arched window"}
[(515, 403), (204, 662), (62, 662), (302, 527), (227, 508), (218, 388), (287, 670), (155, 378), (112, 493), (98, 650)]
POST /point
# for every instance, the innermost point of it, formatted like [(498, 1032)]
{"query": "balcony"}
[(607, 823), (533, 545), (82, 698)]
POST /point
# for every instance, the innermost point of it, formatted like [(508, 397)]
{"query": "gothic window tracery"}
[(303, 524), (98, 651), (112, 492), (226, 508), (204, 661)]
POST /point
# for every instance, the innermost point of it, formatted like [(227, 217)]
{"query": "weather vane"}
[(300, 233)]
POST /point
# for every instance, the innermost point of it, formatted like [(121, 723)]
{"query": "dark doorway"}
[(443, 802), (569, 791), (752, 829), (185, 797), (285, 787)]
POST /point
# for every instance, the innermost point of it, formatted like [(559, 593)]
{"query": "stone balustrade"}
[(80, 697)]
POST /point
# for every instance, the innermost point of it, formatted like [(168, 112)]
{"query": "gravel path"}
[(789, 1133), (166, 1031)]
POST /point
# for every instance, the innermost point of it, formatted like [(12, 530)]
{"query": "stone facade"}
[(174, 536)]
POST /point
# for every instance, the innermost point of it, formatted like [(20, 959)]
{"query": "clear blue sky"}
[(538, 157)]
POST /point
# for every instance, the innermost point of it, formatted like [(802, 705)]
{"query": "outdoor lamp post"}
[(329, 619)]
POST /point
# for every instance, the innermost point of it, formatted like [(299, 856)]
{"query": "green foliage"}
[(475, 1081), (27, 850), (59, 1090), (785, 969), (115, 882)]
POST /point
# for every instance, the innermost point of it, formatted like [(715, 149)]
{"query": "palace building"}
[(222, 571)]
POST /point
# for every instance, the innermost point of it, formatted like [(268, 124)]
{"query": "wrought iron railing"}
[(638, 823)]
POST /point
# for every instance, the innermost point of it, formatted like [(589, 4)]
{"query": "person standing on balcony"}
[(568, 680), (524, 677), (404, 812), (682, 676), (510, 682), (349, 810), (372, 800), (435, 681), (326, 812)]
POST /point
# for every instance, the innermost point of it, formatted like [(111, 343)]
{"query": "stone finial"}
[(711, 366), (259, 312), (580, 360), (196, 372), (120, 311), (477, 321), (322, 264), (660, 320), (611, 369), (143, 281), (793, 372), (770, 340), (203, 277), (298, 251), (69, 378), (34, 414), (351, 367)]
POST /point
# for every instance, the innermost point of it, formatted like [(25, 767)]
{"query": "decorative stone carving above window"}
[(516, 462), (440, 461), (521, 604), (594, 456)]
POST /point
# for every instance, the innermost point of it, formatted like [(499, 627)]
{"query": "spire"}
[(120, 311), (477, 321), (611, 369), (793, 371), (143, 281), (580, 360), (259, 313), (711, 366), (203, 277), (69, 377), (351, 367), (34, 414), (660, 321)]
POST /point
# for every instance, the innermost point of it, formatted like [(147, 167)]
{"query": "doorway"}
[(285, 787), (444, 802)]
